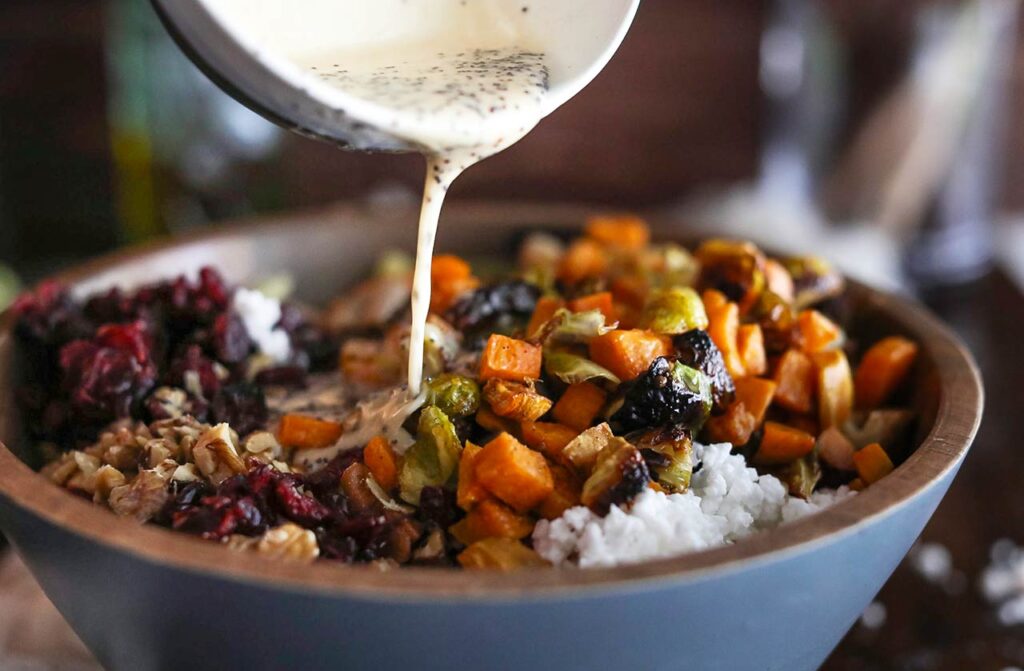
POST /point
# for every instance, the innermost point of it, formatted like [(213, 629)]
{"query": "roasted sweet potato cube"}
[(469, 491), (756, 395), (506, 358), (499, 554), (735, 425), (303, 432), (795, 381), (750, 343), (545, 309), (619, 231), (782, 444), (873, 463), (565, 495), (514, 473), (818, 333), (601, 301), (884, 366), (628, 353), (491, 519), (834, 386), (382, 462), (548, 437), (723, 327), (585, 258), (450, 277), (579, 405)]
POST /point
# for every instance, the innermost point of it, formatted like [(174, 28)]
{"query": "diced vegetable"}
[(565, 495), (882, 369), (582, 452), (499, 554), (546, 308), (620, 474), (455, 395), (382, 462), (735, 426), (491, 519), (778, 279), (697, 350), (469, 492), (818, 333), (602, 302), (579, 405), (548, 437), (795, 381), (514, 473), (631, 290), (671, 265), (734, 268), (369, 362), (814, 280), (486, 418), (433, 458), (539, 256), (873, 463), (674, 310), (627, 354), (567, 327), (450, 277), (668, 393), (778, 322), (506, 358), (801, 475), (573, 369), (585, 258), (756, 395), (750, 344), (669, 450), (835, 388), (619, 231), (782, 444), (835, 449), (303, 432), (723, 327), (517, 401), (887, 426)]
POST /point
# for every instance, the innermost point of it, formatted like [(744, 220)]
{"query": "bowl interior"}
[(329, 250)]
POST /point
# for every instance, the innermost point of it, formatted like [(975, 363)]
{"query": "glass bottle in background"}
[(185, 154)]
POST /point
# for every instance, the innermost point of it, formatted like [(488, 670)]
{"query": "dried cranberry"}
[(229, 339), (298, 507), (49, 315), (242, 405), (217, 517), (327, 478), (437, 505), (282, 376)]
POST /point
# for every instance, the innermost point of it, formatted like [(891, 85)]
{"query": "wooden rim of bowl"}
[(956, 423)]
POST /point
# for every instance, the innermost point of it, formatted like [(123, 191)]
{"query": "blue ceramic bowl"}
[(145, 598)]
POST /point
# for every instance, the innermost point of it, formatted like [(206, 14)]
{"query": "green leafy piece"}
[(673, 463), (567, 327), (814, 280), (433, 458), (455, 395), (698, 383), (674, 266), (674, 311), (800, 476), (571, 368), (675, 476)]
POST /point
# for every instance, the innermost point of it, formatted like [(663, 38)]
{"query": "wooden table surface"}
[(950, 626), (928, 625)]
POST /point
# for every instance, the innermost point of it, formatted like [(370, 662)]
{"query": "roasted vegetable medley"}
[(588, 375)]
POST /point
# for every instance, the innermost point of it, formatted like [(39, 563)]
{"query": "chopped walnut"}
[(144, 496), (216, 456), (264, 446), (186, 473), (287, 541), (178, 436), (84, 477), (171, 402), (105, 480)]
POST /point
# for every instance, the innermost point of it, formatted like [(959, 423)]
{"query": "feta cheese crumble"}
[(727, 500), (261, 314)]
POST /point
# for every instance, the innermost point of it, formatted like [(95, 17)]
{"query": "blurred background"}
[(886, 134)]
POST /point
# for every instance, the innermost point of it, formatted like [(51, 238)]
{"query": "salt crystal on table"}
[(1002, 582), (933, 561)]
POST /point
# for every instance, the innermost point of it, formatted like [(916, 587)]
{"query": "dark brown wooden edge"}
[(957, 419)]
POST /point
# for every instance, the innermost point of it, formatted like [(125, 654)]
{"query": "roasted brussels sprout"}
[(668, 393), (433, 458), (668, 452), (515, 400), (455, 395), (572, 368), (734, 268), (494, 306), (697, 350), (800, 476), (778, 321), (814, 280), (620, 474), (567, 327), (888, 427), (673, 311)]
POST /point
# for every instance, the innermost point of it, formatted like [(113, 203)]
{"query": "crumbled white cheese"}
[(726, 501), (261, 314)]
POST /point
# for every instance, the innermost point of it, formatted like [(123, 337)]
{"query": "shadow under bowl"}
[(143, 598)]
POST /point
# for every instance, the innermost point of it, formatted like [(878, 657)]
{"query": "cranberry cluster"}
[(94, 361)]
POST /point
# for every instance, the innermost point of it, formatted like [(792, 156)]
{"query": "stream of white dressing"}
[(460, 104)]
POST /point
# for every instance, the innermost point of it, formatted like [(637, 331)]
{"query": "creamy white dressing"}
[(460, 104)]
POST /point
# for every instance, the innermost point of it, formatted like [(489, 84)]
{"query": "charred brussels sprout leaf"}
[(497, 307), (674, 311), (668, 452), (668, 393), (454, 395), (814, 280), (619, 475), (800, 476), (433, 458), (778, 322), (570, 368), (697, 350), (734, 268), (566, 327)]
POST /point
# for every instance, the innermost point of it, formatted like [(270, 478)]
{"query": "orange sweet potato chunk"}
[(628, 353), (565, 495), (469, 491), (872, 463), (756, 395), (303, 432), (795, 380), (818, 333), (723, 328), (579, 405), (450, 277), (585, 258), (600, 301), (548, 437), (621, 231), (782, 444), (493, 519), (514, 473), (750, 344), (884, 366), (510, 359), (382, 462), (542, 312)]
